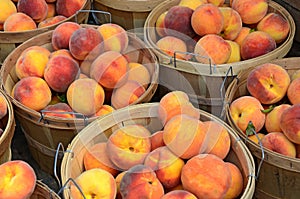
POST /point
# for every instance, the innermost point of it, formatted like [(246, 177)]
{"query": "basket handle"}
[(222, 91), (78, 115), (76, 185)]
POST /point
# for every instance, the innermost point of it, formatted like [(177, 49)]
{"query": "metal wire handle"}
[(76, 185)]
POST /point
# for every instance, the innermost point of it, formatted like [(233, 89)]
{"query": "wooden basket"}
[(10, 40), (6, 156), (42, 191), (204, 82), (279, 175), (44, 133), (146, 115)]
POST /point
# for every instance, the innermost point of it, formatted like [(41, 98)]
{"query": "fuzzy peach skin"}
[(245, 109), (278, 142), (36, 9), (140, 181), (293, 93), (94, 183), (218, 3), (118, 179), (51, 10), (129, 145), (290, 123), (179, 194), (105, 109), (51, 21), (268, 83), (157, 140), (19, 22), (3, 106), (139, 72), (206, 176), (32, 92), (64, 52), (235, 54), (237, 181), (232, 23), (160, 25), (166, 165), (85, 96), (242, 34), (171, 45), (251, 11), (272, 123), (60, 109), (68, 8), (193, 4), (7, 8)]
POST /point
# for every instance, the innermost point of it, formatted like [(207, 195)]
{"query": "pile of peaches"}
[(224, 32), (89, 70), (186, 159), (23, 15), (273, 107)]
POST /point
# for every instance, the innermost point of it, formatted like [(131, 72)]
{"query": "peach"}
[(36, 9), (68, 8), (32, 62), (206, 48), (293, 91), (279, 143), (185, 136), (110, 69), (166, 165), (251, 11), (7, 8), (94, 183), (64, 52), (157, 140), (3, 107), (289, 123), (179, 194), (193, 4), (85, 67), (232, 23), (105, 109), (217, 139), (85, 96), (97, 157), (62, 33), (268, 83), (245, 109), (257, 43), (218, 3), (13, 175), (237, 181), (272, 123), (85, 42), (177, 22), (32, 92), (51, 21), (51, 10), (114, 36), (256, 138), (242, 34), (118, 179), (206, 176), (19, 22), (213, 23), (275, 25), (138, 72), (235, 53), (160, 25), (140, 181), (60, 72), (175, 103), (129, 145), (60, 109), (170, 45)]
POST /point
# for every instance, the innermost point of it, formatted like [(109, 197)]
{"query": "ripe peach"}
[(36, 9), (140, 181), (193, 4), (60, 72), (118, 179), (85, 96), (289, 123), (60, 109), (213, 23), (268, 83), (51, 21), (32, 92), (19, 22), (51, 10), (293, 91), (235, 54), (14, 174), (256, 139), (114, 37), (218, 3), (170, 45), (3, 107), (68, 8), (160, 25), (110, 69), (32, 62), (206, 48), (105, 109), (278, 142), (7, 8), (272, 123), (138, 72), (157, 140), (257, 43), (251, 11), (242, 34), (232, 23), (166, 165), (237, 181), (62, 33), (245, 109), (179, 194), (129, 145), (64, 52), (206, 176)]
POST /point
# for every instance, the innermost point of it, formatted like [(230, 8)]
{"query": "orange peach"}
[(242, 34), (19, 22), (218, 3), (245, 109), (118, 179), (129, 145), (68, 8), (32, 92), (32, 62), (235, 53), (193, 4), (140, 181), (51, 21), (293, 91), (213, 23), (170, 45), (14, 174), (237, 181), (179, 194), (278, 142), (232, 23), (206, 176), (36, 9), (256, 138), (3, 106), (60, 72), (159, 24), (268, 83), (60, 109), (85, 96), (157, 140), (272, 123), (64, 52), (166, 165), (138, 72), (51, 10), (105, 109), (110, 69), (289, 123), (7, 8)]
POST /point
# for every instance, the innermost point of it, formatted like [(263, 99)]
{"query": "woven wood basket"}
[(42, 191), (44, 133), (146, 115), (203, 82), (279, 175)]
